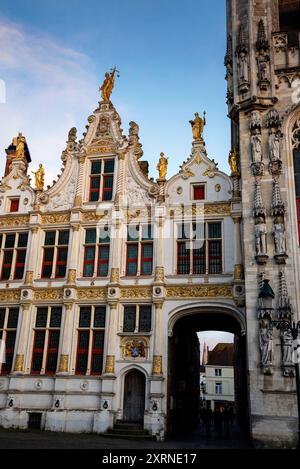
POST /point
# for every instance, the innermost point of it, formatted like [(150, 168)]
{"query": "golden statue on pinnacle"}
[(162, 166), (198, 126), (108, 84), (20, 146), (39, 178)]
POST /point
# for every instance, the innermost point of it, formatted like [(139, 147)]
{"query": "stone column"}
[(22, 345), (78, 196), (111, 342), (238, 266), (74, 253), (158, 340), (31, 256), (67, 336)]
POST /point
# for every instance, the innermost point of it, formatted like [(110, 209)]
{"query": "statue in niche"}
[(274, 145), (262, 65), (256, 148), (286, 346), (243, 68), (265, 343), (279, 236), (233, 161), (260, 236)]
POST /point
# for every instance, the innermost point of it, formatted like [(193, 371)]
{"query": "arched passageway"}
[(184, 366)]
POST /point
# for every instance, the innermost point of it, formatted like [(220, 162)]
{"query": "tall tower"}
[(263, 74)]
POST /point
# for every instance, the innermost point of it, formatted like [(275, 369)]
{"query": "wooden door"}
[(134, 396)]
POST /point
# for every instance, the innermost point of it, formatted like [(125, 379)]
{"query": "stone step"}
[(126, 431), (128, 436)]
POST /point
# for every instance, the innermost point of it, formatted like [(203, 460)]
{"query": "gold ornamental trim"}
[(110, 364), (135, 347), (10, 295), (8, 221), (100, 149), (136, 292), (19, 363), (72, 275), (217, 209), (91, 293), (28, 277), (93, 216), (55, 218), (157, 365), (63, 363), (200, 291), (49, 294)]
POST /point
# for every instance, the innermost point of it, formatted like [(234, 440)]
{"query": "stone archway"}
[(184, 362)]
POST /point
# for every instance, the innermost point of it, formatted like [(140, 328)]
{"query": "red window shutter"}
[(14, 205), (199, 192), (131, 260)]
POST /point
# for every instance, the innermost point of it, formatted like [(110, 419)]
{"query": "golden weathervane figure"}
[(39, 178), (162, 166), (197, 126), (108, 84)]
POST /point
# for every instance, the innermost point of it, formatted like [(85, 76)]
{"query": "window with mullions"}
[(101, 179), (96, 252), (199, 248), (55, 254), (296, 155), (137, 318), (139, 252), (8, 331), (90, 340), (13, 255), (46, 340)]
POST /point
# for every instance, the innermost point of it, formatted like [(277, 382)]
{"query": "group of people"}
[(221, 419)]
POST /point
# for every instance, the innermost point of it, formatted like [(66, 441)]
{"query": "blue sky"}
[(170, 55)]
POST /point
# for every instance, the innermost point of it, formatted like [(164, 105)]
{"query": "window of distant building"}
[(198, 192), (13, 255), (14, 205), (199, 248), (218, 372), (90, 340), (46, 340), (296, 155), (101, 180), (139, 250), (218, 388), (55, 254), (8, 331), (137, 318), (289, 20), (96, 252)]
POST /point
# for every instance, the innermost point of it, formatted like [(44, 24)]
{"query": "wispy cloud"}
[(50, 88)]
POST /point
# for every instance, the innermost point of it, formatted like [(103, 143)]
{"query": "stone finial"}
[(277, 203), (259, 208), (283, 305), (262, 42), (134, 139)]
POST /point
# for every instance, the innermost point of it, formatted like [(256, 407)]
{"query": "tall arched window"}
[(296, 153)]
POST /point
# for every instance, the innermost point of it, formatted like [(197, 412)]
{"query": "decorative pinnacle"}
[(284, 305), (259, 208), (262, 42), (277, 204)]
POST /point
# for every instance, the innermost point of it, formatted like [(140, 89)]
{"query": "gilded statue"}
[(108, 84), (198, 125), (162, 166), (233, 161), (39, 178), (20, 147)]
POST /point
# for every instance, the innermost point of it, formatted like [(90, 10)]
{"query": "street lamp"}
[(294, 329)]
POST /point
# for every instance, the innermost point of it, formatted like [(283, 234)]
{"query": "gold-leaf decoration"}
[(9, 295), (93, 216), (199, 291), (19, 363), (157, 365), (219, 209), (55, 218), (20, 220), (136, 292), (53, 294), (110, 364), (91, 293), (63, 363)]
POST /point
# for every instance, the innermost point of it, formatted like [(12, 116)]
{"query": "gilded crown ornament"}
[(198, 126), (108, 84)]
